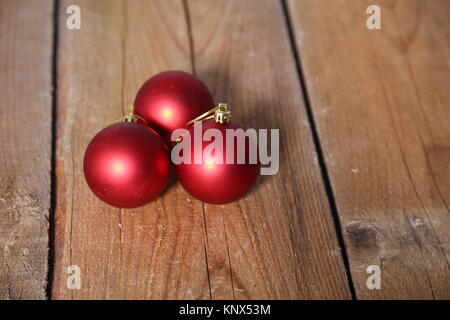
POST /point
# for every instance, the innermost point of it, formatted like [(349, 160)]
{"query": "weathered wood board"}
[(25, 152), (152, 252), (381, 101)]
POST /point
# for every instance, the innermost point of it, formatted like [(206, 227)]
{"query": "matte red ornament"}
[(127, 165), (170, 99), (213, 182)]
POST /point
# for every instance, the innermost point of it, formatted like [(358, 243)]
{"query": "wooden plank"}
[(157, 251), (380, 100), (25, 154), (279, 241), (176, 263)]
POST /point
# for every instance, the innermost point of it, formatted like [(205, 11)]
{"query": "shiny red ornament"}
[(214, 182), (170, 99), (127, 165)]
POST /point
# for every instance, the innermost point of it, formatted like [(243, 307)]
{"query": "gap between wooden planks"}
[(381, 104), (277, 242)]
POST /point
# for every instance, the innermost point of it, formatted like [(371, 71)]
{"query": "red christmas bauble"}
[(170, 99), (127, 165), (212, 181)]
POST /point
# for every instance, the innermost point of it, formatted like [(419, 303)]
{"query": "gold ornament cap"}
[(220, 114)]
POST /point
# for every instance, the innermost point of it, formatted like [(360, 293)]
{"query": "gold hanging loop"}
[(220, 114), (129, 117)]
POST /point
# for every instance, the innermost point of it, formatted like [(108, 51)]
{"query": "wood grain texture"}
[(25, 153), (279, 241), (157, 251), (381, 103)]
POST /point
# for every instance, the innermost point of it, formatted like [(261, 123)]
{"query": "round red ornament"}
[(168, 100), (127, 165), (211, 181)]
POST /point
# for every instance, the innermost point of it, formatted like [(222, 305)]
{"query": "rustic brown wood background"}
[(364, 118)]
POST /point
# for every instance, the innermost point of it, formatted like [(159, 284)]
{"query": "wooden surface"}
[(364, 119), (383, 117), (25, 153), (157, 251)]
